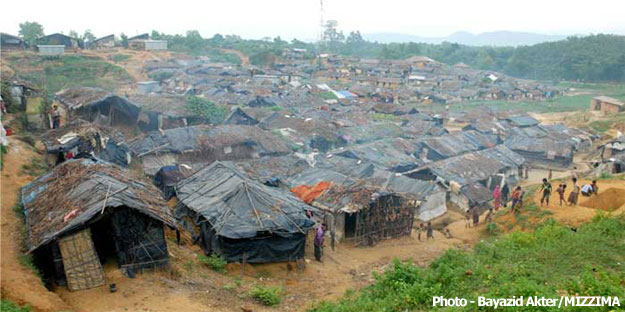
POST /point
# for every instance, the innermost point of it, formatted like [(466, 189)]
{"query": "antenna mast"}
[(321, 36)]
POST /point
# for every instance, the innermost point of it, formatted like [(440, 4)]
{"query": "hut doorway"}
[(350, 224), (80, 261)]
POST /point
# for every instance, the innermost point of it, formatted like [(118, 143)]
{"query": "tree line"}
[(587, 58)]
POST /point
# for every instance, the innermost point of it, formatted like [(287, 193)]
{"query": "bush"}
[(205, 109), (10, 306), (267, 295), (492, 229), (215, 262)]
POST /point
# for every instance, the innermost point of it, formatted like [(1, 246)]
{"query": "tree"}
[(354, 37), (194, 40), (217, 39), (88, 36), (330, 33), (124, 40), (74, 34), (31, 31)]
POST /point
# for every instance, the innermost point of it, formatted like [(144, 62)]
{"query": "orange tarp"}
[(307, 193)]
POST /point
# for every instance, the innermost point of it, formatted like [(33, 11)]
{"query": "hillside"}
[(493, 38), (548, 262)]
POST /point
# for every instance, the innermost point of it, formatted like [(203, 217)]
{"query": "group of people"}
[(586, 190), (501, 196)]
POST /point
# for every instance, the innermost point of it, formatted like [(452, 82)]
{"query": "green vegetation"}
[(384, 117), (120, 57), (27, 261), (608, 122), (267, 295), (31, 31), (69, 71), (160, 75), (327, 95), (9, 306), (36, 168), (205, 109), (215, 262), (546, 262)]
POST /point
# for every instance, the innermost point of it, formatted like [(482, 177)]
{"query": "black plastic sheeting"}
[(239, 207), (139, 239), (255, 250), (166, 179)]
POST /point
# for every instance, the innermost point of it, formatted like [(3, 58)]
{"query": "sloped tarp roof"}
[(167, 104), (458, 143), (240, 117), (393, 154), (78, 188), (523, 121), (86, 97), (545, 145), (475, 166), (187, 139), (238, 207)]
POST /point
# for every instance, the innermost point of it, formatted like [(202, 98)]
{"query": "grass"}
[(267, 295), (556, 105), (607, 122), (69, 71), (36, 168), (559, 104), (550, 261), (215, 262), (120, 57), (9, 306)]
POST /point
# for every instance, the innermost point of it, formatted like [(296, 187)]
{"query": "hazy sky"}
[(300, 18)]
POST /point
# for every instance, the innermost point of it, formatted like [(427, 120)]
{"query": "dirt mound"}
[(608, 200)]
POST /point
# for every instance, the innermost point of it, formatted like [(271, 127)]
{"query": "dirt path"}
[(19, 283), (245, 61)]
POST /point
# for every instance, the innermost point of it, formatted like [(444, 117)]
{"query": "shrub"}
[(267, 295), (215, 262), (205, 109), (492, 229), (10, 306)]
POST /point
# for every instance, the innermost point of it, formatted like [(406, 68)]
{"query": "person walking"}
[(505, 194), (561, 190), (420, 229), (430, 231), (574, 193), (496, 197), (546, 189), (319, 241), (516, 195), (467, 218), (476, 216)]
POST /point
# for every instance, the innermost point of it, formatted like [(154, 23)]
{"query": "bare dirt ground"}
[(19, 283), (191, 286), (245, 61)]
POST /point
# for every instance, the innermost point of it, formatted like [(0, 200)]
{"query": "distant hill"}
[(494, 38)]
